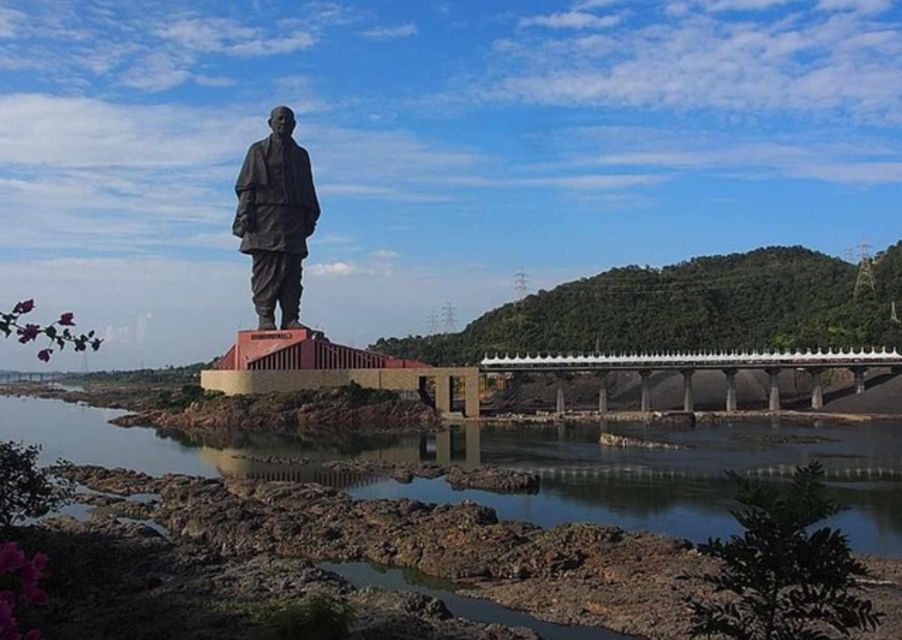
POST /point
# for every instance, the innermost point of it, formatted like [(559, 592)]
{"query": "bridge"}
[(30, 376), (858, 361)]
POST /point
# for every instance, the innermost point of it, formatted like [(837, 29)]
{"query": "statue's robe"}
[(277, 212)]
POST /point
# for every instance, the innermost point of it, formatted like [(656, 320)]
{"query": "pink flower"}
[(11, 558), (44, 354), (28, 333), (24, 307), (40, 560), (34, 634), (66, 319)]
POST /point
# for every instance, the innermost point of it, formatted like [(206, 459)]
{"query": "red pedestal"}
[(301, 349)]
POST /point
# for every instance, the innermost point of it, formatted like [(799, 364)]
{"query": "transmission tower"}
[(866, 280), (432, 323), (520, 284), (448, 318)]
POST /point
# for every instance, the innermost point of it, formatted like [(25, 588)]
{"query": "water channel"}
[(679, 492)]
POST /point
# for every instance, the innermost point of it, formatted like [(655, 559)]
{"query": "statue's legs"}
[(290, 292), (265, 284), (276, 278)]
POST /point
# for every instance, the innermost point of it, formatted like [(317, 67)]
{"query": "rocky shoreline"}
[(485, 478), (189, 409), (635, 583)]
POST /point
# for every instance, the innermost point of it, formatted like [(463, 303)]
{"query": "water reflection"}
[(681, 492)]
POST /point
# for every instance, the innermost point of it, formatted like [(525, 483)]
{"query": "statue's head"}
[(281, 121)]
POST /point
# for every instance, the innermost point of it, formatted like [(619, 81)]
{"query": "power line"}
[(432, 323), (448, 318), (866, 279), (521, 284)]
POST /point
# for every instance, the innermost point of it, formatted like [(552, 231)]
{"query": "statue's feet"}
[(292, 324), (266, 323)]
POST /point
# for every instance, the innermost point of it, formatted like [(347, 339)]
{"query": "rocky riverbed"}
[(123, 579), (635, 583)]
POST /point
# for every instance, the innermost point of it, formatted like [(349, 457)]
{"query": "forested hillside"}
[(772, 297)]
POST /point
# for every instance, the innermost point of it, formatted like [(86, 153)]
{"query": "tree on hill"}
[(788, 297)]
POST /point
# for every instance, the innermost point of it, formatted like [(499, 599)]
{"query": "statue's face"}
[(282, 123)]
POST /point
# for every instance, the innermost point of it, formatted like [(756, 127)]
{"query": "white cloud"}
[(337, 268), (742, 5), (862, 162), (863, 6), (384, 254), (271, 46), (842, 64), (390, 33), (155, 72), (571, 20), (602, 182), (10, 20), (589, 5)]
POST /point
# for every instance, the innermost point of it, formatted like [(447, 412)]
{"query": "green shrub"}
[(317, 617), (26, 490), (783, 579)]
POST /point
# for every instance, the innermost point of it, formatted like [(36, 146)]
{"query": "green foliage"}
[(317, 617), (788, 297), (26, 490), (781, 580)]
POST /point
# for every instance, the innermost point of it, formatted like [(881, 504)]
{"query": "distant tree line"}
[(786, 297)]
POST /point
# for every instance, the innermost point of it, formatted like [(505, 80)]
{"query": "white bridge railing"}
[(740, 359)]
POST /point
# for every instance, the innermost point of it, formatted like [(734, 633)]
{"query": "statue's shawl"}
[(254, 175)]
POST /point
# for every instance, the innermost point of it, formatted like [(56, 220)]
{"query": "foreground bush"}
[(317, 617), (782, 579)]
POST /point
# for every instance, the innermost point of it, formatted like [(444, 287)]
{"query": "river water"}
[(679, 492)]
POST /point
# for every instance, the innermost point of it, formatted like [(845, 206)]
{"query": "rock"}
[(493, 479), (625, 442)]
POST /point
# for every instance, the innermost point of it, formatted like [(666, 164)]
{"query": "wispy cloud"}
[(391, 32), (571, 20), (838, 61)]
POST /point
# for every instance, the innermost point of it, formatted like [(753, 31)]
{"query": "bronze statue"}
[(277, 212)]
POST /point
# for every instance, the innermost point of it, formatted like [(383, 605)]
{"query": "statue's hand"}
[(243, 224)]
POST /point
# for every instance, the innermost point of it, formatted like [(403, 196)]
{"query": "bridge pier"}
[(645, 374), (731, 390), (444, 393), (858, 375), (773, 399), (688, 396), (603, 394), (560, 404), (817, 389)]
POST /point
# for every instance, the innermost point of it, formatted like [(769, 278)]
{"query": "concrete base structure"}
[(817, 389), (645, 404), (603, 394), (560, 403), (235, 382), (773, 401), (731, 390), (688, 396)]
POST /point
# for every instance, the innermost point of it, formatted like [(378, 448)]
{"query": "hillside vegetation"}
[(772, 297)]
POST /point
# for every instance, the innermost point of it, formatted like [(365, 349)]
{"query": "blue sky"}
[(453, 143)]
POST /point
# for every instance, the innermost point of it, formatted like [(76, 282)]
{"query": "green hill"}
[(771, 297)]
